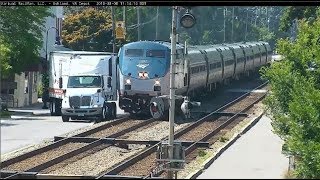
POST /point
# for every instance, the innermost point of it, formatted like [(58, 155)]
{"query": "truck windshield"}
[(84, 81)]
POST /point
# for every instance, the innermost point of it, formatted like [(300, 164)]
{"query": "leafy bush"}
[(294, 100)]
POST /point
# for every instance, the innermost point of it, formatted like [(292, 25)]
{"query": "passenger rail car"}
[(145, 69)]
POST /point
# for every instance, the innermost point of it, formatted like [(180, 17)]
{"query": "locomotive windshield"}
[(146, 57), (134, 52), (156, 53), (84, 81)]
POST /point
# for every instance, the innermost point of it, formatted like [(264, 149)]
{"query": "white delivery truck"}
[(83, 84)]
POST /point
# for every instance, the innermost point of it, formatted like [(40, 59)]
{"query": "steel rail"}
[(93, 142)]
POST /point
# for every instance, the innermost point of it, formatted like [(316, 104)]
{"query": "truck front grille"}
[(74, 101), (77, 101), (85, 101)]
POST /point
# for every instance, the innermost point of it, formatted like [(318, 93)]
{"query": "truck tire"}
[(55, 107), (58, 107), (65, 118), (52, 107), (104, 113), (113, 110)]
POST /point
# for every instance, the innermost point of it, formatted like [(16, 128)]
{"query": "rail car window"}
[(202, 68), (134, 52), (212, 66), (156, 53), (230, 62), (240, 60), (215, 65), (194, 70)]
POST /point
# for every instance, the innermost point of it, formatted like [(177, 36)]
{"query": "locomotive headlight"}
[(157, 82), (128, 81), (145, 74)]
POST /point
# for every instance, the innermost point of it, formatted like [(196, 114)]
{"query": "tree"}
[(89, 29), (20, 37), (207, 37), (296, 12), (295, 98)]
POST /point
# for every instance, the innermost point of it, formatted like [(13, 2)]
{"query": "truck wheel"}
[(104, 113), (52, 108), (113, 110), (65, 118), (58, 107)]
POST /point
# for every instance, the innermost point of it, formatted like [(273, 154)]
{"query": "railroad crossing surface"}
[(256, 154), (20, 130)]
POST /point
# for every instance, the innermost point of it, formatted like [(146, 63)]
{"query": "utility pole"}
[(172, 87), (124, 24), (113, 30), (232, 24), (124, 16), (245, 35), (255, 21), (157, 21), (139, 30), (268, 19), (224, 24)]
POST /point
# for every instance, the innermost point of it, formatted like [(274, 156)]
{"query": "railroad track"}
[(65, 149), (59, 158), (202, 130)]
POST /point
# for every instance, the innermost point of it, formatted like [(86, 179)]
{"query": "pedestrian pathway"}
[(33, 109), (256, 154)]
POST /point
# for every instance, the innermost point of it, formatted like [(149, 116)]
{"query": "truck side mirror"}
[(109, 82), (60, 82)]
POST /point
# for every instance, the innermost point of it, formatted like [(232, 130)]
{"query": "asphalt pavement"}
[(31, 125)]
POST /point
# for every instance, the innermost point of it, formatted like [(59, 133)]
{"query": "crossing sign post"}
[(120, 30)]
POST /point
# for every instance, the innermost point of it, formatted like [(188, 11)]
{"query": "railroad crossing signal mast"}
[(187, 21)]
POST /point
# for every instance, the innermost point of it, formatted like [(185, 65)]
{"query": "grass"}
[(223, 139), (202, 153), (5, 114)]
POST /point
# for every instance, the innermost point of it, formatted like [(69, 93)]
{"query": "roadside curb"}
[(211, 159)]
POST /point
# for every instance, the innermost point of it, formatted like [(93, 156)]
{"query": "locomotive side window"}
[(156, 53), (134, 52)]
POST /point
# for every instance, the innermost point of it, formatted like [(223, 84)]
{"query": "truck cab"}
[(84, 83)]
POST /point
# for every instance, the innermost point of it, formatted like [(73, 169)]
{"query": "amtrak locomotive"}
[(144, 70)]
